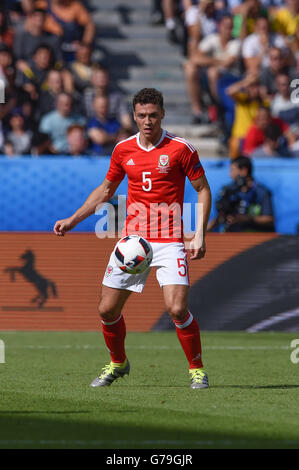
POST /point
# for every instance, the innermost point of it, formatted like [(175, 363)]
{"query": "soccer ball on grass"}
[(133, 254)]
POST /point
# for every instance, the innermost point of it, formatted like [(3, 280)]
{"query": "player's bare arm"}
[(98, 196), (198, 246)]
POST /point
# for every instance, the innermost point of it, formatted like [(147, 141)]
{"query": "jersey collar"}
[(154, 146)]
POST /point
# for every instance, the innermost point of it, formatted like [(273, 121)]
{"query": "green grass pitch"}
[(46, 401)]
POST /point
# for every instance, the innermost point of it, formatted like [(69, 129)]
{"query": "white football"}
[(133, 254)]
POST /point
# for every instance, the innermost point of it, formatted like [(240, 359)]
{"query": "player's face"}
[(148, 118)]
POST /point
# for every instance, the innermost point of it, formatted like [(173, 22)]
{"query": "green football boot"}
[(199, 378), (110, 373)]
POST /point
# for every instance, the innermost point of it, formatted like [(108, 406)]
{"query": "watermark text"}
[(2, 352), (295, 353), (154, 221), (2, 92), (295, 93)]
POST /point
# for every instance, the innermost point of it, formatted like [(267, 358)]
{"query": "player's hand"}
[(197, 251), (63, 226)]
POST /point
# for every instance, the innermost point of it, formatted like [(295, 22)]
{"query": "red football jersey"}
[(156, 183)]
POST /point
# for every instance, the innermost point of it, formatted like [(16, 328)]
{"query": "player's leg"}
[(172, 275), (111, 304), (187, 329), (175, 297), (117, 287)]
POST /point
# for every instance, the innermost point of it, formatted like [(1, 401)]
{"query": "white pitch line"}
[(141, 347)]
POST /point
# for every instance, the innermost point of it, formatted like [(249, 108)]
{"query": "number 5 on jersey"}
[(147, 186)]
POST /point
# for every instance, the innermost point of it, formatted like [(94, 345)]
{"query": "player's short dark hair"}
[(243, 162), (148, 95)]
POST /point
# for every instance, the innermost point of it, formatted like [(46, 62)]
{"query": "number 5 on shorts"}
[(182, 267)]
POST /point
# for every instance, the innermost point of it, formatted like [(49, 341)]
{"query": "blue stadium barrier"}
[(35, 192), (279, 175)]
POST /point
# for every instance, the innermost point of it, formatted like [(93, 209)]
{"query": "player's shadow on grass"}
[(258, 387), (17, 431)]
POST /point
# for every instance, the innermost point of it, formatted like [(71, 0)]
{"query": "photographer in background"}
[(244, 205)]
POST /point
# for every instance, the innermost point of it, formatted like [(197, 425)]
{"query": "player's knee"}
[(106, 312), (177, 311)]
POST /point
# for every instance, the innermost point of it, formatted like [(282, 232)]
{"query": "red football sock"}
[(114, 334), (189, 337)]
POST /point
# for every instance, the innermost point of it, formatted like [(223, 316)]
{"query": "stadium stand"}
[(146, 43)]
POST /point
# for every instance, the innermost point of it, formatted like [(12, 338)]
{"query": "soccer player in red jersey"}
[(156, 164)]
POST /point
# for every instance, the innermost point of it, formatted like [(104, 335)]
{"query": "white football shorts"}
[(170, 259)]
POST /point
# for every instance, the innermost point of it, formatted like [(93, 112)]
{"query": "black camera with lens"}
[(230, 202)]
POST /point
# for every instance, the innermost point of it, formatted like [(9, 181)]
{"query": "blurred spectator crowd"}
[(241, 69), (56, 99), (241, 65)]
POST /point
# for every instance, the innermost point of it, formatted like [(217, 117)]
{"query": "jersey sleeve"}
[(116, 171), (191, 164)]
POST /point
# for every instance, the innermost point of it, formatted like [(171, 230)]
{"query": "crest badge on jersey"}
[(163, 164), (163, 160)]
